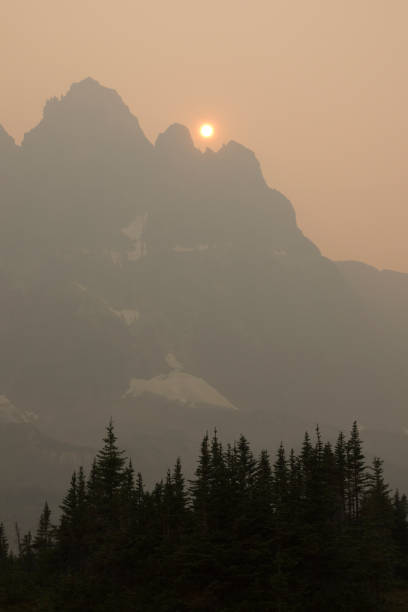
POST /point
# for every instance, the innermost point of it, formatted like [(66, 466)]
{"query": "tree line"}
[(313, 530)]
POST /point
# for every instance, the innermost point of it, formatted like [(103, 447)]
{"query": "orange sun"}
[(206, 130)]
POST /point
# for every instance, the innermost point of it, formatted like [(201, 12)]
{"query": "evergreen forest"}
[(315, 530)]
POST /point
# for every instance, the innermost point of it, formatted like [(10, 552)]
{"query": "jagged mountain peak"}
[(241, 162), (90, 83), (90, 92), (89, 113), (234, 148), (10, 414), (175, 140), (237, 152), (6, 141)]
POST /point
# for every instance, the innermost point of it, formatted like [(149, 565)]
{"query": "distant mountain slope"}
[(385, 292), (33, 467)]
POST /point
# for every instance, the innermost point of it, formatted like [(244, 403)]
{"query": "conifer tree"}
[(246, 465), (400, 533), (106, 483), (4, 545), (167, 510), (81, 491), (340, 454), (128, 488), (356, 477), (316, 475), (332, 500), (70, 504), (200, 486), (263, 497), (92, 485), (110, 466), (306, 454), (44, 538), (319, 447), (26, 550), (294, 482), (280, 481), (175, 500), (377, 521), (378, 491), (180, 495), (307, 464), (139, 490), (219, 500), (73, 527)]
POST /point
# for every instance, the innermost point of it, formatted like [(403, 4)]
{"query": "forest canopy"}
[(313, 530)]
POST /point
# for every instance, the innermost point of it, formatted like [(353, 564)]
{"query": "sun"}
[(206, 130)]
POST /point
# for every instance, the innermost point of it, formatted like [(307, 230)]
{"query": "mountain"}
[(8, 147), (173, 290), (383, 292), (33, 467), (8, 180)]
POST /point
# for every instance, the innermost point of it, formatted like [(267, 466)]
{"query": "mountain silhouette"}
[(7, 144), (87, 121), (173, 290)]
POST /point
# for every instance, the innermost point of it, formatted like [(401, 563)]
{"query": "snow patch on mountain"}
[(135, 231), (179, 387), (10, 414), (128, 316), (173, 362)]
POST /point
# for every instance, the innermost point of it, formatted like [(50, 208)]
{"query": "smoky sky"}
[(316, 88)]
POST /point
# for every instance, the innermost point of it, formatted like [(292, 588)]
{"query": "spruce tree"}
[(219, 506), (377, 521), (400, 533), (280, 482), (340, 454), (4, 545), (356, 476), (246, 465), (139, 489), (179, 495), (128, 492), (69, 504), (44, 538), (26, 551), (73, 528), (106, 482), (263, 495), (200, 486), (81, 492), (110, 467), (294, 483)]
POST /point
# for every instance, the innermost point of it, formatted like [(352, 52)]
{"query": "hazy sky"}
[(317, 88)]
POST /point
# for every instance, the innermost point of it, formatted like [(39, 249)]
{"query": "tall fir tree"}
[(356, 474), (4, 545), (110, 467), (200, 486), (400, 533), (45, 535), (263, 495), (280, 482), (340, 455)]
